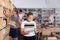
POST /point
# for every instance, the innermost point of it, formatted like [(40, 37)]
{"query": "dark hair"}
[(20, 10), (46, 21), (29, 13), (15, 9)]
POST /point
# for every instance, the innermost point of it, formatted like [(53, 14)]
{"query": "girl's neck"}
[(15, 15), (46, 24), (28, 21)]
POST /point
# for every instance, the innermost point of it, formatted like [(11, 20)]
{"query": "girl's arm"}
[(24, 33)]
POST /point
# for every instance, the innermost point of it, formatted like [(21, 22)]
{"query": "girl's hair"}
[(15, 9), (29, 13), (46, 21)]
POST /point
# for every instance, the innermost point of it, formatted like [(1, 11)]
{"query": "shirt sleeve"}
[(35, 25), (11, 17), (22, 25)]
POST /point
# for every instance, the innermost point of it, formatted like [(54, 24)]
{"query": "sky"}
[(36, 3)]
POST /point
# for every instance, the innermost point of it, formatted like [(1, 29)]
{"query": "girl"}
[(14, 29)]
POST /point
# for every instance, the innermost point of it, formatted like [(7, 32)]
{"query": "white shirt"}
[(51, 18), (21, 15), (29, 26)]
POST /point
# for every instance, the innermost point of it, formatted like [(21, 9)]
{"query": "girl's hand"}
[(28, 32), (36, 31)]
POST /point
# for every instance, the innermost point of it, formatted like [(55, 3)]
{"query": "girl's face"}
[(30, 18), (13, 12), (46, 23)]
